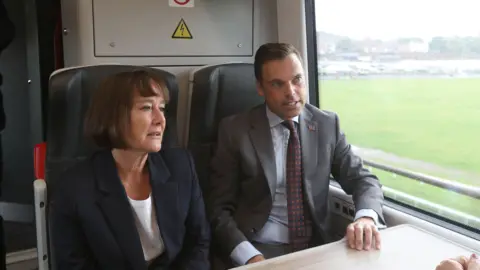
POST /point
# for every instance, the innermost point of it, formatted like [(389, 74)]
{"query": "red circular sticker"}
[(184, 2)]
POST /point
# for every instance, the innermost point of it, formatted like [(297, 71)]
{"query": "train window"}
[(404, 77)]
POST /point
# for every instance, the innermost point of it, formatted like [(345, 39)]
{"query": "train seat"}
[(217, 91), (69, 96)]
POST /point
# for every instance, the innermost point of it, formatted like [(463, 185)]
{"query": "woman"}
[(460, 263), (130, 206)]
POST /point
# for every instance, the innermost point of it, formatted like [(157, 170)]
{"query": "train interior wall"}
[(86, 44), (17, 192)]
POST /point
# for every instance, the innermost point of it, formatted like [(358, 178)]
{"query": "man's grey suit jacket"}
[(243, 179)]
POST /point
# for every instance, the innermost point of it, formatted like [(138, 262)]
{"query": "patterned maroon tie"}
[(299, 222)]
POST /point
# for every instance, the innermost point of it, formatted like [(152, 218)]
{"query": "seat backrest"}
[(218, 91), (69, 97)]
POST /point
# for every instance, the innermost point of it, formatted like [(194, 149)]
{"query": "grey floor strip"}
[(21, 256)]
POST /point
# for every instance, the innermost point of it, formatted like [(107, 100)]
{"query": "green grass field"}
[(431, 120)]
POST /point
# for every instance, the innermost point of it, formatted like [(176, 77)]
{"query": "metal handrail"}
[(460, 188), (459, 216)]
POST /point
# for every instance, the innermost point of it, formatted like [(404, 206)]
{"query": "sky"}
[(388, 19)]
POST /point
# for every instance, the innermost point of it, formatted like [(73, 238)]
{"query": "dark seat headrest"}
[(217, 91), (220, 91), (69, 97)]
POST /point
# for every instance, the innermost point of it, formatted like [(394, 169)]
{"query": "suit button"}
[(253, 230)]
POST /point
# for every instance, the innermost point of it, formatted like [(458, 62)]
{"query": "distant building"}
[(413, 46), (375, 46), (326, 47)]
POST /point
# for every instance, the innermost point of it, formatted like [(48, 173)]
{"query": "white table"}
[(404, 247)]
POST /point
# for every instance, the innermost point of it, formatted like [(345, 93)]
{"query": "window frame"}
[(311, 61)]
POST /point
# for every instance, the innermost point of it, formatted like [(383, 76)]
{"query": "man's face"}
[(283, 86)]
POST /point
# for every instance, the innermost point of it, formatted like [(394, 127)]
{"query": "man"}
[(270, 172), (7, 33)]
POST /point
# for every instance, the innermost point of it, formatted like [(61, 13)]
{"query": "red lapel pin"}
[(311, 127)]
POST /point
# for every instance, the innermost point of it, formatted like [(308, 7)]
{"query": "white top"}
[(147, 227)]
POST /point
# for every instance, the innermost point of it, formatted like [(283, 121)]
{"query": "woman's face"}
[(147, 123)]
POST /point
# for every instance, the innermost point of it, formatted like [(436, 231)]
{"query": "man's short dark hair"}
[(272, 51), (108, 116)]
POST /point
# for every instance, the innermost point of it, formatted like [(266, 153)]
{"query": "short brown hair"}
[(108, 115), (272, 51)]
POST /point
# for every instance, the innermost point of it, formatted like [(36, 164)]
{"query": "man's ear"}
[(260, 89)]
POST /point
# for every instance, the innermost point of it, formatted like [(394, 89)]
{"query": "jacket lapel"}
[(165, 196), (309, 140), (117, 210), (261, 138)]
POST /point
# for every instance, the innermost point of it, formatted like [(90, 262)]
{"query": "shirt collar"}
[(274, 119)]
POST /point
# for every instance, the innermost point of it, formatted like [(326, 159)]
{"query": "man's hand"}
[(361, 233), (473, 263), (459, 263), (255, 259)]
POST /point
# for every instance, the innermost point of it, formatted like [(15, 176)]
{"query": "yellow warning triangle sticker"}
[(182, 31)]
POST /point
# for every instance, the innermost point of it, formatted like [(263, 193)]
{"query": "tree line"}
[(443, 45)]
